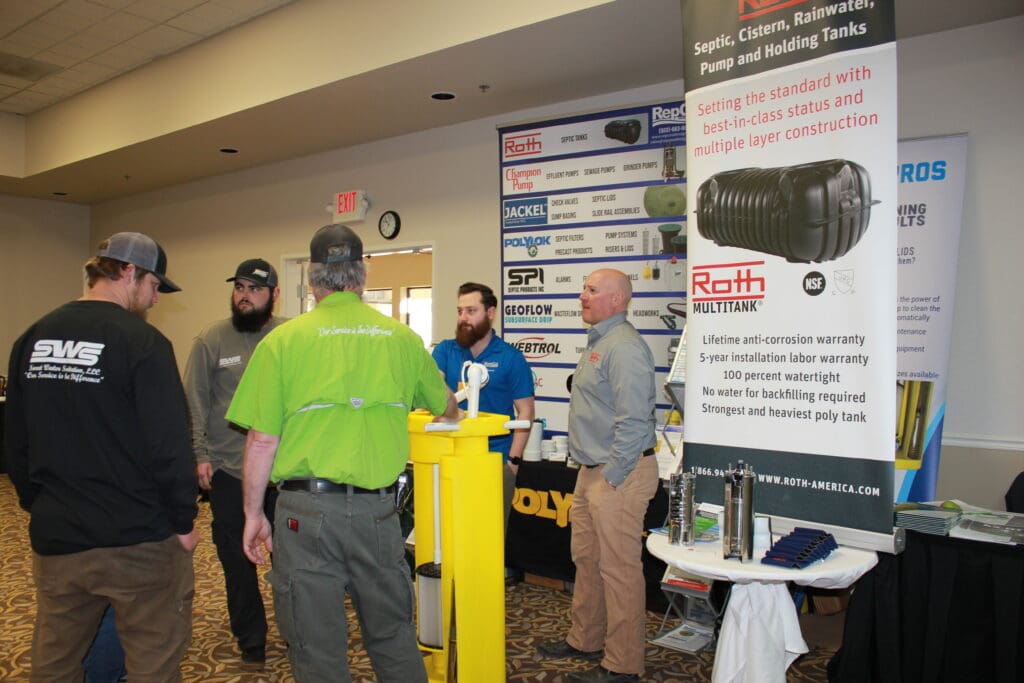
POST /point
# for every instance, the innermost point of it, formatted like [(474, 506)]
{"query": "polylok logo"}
[(727, 287), (535, 348), (750, 9), (523, 145), (661, 116)]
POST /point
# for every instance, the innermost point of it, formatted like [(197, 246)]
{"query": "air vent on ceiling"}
[(25, 69)]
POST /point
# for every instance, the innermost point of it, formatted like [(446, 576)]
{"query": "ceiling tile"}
[(85, 10), (60, 59), (208, 19), (14, 82), (122, 57), (118, 28), (162, 40), (160, 11)]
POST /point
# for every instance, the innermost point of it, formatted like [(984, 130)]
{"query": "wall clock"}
[(389, 225)]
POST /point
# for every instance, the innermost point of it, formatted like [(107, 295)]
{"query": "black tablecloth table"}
[(946, 610)]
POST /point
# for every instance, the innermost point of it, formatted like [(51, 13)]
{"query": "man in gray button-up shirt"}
[(611, 431)]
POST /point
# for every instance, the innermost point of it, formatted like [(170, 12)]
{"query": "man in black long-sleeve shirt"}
[(98, 449)]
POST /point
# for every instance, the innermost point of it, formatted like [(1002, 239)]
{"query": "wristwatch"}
[(516, 460)]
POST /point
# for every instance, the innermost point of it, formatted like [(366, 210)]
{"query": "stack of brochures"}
[(991, 526), (929, 519)]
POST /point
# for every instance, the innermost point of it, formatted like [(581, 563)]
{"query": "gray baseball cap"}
[(345, 244), (142, 251)]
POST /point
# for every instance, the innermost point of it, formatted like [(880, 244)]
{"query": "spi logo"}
[(523, 145), (661, 116), (750, 9), (517, 213), (71, 352), (728, 287), (525, 279)]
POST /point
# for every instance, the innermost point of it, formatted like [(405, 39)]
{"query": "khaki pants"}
[(149, 585), (609, 598)]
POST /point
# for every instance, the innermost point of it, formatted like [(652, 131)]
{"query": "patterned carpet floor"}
[(533, 613)]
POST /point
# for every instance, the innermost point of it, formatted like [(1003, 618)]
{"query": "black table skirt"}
[(946, 610), (538, 544)]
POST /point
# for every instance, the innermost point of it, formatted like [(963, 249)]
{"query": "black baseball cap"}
[(346, 244), (142, 251), (256, 270)]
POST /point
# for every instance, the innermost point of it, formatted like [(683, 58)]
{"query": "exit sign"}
[(350, 206)]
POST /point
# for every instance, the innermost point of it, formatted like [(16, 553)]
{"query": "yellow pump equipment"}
[(469, 552)]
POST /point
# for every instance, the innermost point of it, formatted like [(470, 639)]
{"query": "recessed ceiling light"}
[(228, 150), (443, 96)]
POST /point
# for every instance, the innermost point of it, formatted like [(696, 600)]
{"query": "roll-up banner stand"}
[(792, 199), (579, 193), (932, 174)]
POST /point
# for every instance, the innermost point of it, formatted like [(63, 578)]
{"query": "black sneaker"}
[(561, 649), (254, 657)]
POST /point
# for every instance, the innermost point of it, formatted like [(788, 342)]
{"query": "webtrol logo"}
[(728, 287), (751, 9), (70, 352), (535, 348)]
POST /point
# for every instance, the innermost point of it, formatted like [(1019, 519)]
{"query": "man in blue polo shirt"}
[(510, 383)]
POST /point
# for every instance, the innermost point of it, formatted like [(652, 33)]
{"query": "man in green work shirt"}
[(325, 399)]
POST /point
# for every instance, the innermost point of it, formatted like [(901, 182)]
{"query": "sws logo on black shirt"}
[(70, 352)]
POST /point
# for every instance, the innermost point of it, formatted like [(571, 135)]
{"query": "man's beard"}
[(466, 335), (251, 321)]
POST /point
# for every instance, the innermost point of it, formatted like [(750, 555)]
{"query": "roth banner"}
[(791, 195)]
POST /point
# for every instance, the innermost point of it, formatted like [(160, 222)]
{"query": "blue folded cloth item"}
[(800, 548)]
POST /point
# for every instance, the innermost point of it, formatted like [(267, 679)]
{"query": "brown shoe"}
[(561, 649)]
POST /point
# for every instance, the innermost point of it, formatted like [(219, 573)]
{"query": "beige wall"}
[(44, 245)]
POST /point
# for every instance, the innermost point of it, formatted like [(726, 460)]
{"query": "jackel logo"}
[(71, 352), (751, 9), (535, 348), (523, 145), (728, 287), (523, 212), (545, 504)]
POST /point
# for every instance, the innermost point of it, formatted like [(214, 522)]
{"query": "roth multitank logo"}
[(750, 9), (728, 287)]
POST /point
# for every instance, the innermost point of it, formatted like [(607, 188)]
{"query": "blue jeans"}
[(104, 662)]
